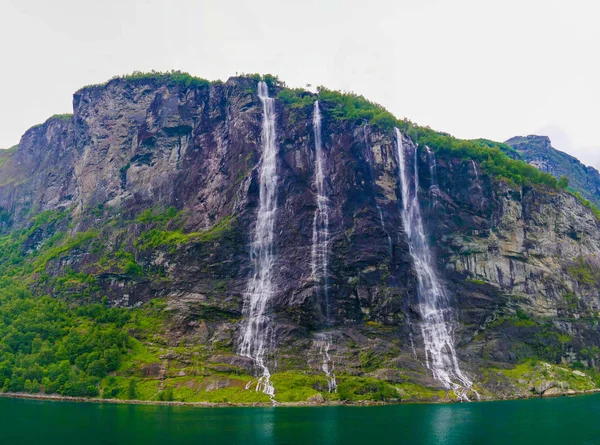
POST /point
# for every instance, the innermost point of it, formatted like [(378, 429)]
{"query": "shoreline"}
[(59, 398)]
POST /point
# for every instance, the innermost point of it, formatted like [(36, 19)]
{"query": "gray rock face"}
[(505, 254), (537, 151)]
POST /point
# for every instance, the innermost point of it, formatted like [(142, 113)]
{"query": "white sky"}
[(473, 68)]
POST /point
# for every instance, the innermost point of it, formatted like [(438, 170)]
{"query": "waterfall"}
[(320, 234), (382, 222), (432, 169), (327, 365), (320, 248), (436, 313), (475, 170), (258, 328)]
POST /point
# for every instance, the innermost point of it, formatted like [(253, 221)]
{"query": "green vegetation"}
[(531, 373), (152, 215), (160, 237), (271, 80), (510, 151), (366, 389), (490, 155), (58, 334), (476, 281), (497, 159), (587, 203), (584, 272), (46, 345), (296, 98), (563, 182), (63, 116), (6, 154), (183, 79)]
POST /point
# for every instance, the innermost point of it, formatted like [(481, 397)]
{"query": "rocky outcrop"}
[(538, 151), (164, 178)]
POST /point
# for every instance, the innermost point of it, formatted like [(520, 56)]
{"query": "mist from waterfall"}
[(433, 304), (259, 324), (320, 235)]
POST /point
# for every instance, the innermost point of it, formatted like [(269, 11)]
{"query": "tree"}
[(97, 368), (563, 182), (132, 389)]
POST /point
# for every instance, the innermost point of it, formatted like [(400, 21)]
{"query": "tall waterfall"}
[(320, 234), (436, 313), (320, 249), (258, 328)]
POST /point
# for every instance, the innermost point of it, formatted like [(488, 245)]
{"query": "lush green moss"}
[(362, 388), (159, 238), (296, 387), (59, 245), (152, 215), (535, 372)]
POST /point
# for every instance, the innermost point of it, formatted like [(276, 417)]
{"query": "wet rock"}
[(317, 399)]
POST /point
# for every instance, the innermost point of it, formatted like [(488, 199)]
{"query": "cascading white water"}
[(432, 168), (320, 235), (258, 327), (320, 247), (475, 170), (436, 314), (327, 365)]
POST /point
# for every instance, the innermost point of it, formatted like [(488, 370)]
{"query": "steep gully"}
[(434, 307)]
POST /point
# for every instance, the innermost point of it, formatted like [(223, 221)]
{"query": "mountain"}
[(176, 238), (538, 151)]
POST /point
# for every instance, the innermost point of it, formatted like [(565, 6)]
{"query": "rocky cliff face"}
[(163, 179), (538, 151)]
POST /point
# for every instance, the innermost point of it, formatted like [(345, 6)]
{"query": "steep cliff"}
[(146, 198)]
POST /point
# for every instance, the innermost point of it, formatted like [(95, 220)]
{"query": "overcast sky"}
[(473, 68)]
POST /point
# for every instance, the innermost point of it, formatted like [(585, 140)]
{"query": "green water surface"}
[(564, 420)]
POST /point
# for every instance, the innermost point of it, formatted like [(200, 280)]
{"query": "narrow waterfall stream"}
[(320, 234), (258, 328), (320, 248), (433, 188), (327, 365), (435, 310)]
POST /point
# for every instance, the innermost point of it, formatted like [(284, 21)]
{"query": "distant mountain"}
[(538, 151)]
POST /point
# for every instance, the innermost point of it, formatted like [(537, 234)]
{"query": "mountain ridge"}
[(538, 151), (128, 225)]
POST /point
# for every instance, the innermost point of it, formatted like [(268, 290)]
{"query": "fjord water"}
[(564, 420), (258, 327), (434, 308)]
